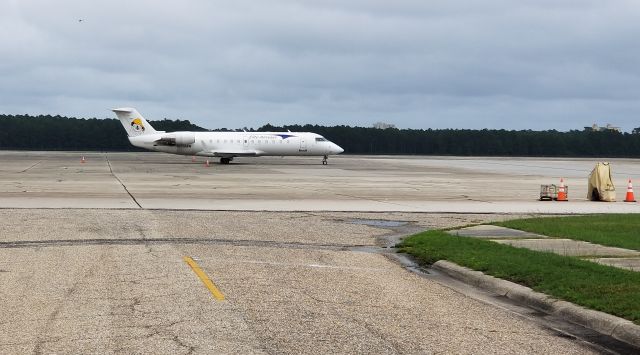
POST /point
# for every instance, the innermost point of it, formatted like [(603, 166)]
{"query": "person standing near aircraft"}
[(224, 145)]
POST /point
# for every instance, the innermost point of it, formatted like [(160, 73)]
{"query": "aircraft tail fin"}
[(133, 122)]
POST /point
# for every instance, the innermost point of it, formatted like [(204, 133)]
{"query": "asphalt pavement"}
[(92, 255)]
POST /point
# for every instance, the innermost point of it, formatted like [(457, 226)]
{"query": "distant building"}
[(608, 127), (383, 125)]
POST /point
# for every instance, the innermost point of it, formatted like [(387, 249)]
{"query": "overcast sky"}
[(416, 64)]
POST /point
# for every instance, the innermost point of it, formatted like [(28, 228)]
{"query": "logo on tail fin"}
[(137, 125)]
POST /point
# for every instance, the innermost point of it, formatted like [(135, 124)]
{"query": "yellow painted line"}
[(204, 278)]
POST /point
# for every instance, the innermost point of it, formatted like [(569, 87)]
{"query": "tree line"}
[(45, 132)]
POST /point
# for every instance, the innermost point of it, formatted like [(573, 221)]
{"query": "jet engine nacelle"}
[(177, 138), (185, 138)]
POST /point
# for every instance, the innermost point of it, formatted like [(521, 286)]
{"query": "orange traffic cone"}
[(206, 163), (82, 160), (562, 192), (629, 197)]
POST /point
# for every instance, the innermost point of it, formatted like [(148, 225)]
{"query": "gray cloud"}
[(418, 64)]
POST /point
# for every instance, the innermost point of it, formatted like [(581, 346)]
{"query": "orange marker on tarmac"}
[(562, 192), (629, 197)]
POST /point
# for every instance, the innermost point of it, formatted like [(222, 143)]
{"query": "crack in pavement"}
[(375, 333), (43, 336), (29, 168), (120, 181), (190, 348)]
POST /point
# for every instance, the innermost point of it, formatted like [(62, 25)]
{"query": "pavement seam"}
[(120, 181), (604, 323), (178, 241), (173, 209), (31, 167)]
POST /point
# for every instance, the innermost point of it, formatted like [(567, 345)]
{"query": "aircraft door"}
[(303, 144)]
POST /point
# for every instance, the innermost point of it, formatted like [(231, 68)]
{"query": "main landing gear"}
[(225, 160), (324, 160)]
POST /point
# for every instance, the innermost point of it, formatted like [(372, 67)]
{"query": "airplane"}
[(224, 145)]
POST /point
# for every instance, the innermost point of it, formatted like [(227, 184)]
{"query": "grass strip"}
[(603, 288), (616, 230)]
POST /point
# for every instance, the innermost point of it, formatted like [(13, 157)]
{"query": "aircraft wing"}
[(232, 153)]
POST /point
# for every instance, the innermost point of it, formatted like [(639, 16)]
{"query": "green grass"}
[(607, 289), (616, 230)]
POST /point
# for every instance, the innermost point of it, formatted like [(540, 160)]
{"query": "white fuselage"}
[(225, 145), (236, 144)]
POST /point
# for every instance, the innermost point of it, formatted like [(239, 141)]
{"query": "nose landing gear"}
[(324, 160)]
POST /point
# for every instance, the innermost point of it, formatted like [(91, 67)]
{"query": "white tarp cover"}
[(600, 184)]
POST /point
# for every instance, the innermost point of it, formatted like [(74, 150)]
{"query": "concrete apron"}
[(611, 256)]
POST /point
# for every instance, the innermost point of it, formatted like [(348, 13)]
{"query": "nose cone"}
[(336, 149)]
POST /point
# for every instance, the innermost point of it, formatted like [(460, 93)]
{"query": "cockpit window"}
[(320, 139)]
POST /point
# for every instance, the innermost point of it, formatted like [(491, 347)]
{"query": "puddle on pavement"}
[(378, 223), (398, 230)]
